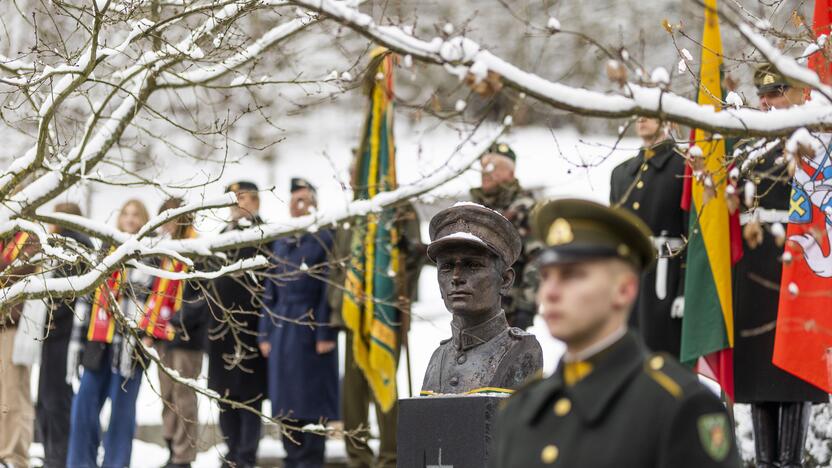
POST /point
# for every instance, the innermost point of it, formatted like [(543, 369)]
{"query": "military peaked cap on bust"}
[(503, 150), (768, 79), (473, 224), (577, 230), (299, 183), (242, 185)]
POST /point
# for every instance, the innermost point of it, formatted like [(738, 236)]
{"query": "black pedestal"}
[(446, 431)]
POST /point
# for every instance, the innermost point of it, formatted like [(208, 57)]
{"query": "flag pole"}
[(406, 345)]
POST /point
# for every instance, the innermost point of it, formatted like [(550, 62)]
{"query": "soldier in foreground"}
[(610, 403)]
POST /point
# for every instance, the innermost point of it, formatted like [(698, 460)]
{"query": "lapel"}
[(663, 150), (616, 367), (634, 164)]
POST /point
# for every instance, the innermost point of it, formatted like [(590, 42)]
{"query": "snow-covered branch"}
[(460, 56), (268, 40), (134, 247)]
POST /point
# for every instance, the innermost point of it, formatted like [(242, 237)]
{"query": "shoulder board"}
[(517, 333), (445, 341), (655, 368)]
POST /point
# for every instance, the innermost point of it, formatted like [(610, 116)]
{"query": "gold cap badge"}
[(503, 148), (560, 232), (768, 79)]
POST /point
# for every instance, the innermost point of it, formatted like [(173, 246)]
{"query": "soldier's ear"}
[(508, 280)]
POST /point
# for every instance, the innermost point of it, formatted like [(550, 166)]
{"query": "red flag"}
[(821, 22), (802, 338)]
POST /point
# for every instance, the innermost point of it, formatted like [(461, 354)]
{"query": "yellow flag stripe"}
[(713, 216)]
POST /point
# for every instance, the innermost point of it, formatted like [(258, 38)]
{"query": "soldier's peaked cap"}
[(299, 183), (503, 150), (768, 79), (473, 224), (242, 185), (576, 230)]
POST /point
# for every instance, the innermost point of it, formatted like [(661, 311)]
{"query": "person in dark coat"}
[(610, 403), (297, 337), (236, 370), (54, 392), (780, 402), (650, 185)]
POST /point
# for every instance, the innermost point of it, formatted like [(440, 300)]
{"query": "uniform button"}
[(656, 362), (640, 184), (644, 168), (549, 454), (636, 205), (563, 407), (454, 381), (461, 359)]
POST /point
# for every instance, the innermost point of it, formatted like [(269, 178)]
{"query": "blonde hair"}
[(139, 206)]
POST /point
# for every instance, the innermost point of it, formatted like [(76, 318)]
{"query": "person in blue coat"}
[(296, 336)]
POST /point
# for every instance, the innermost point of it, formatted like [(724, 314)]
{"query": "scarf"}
[(102, 325), (164, 301), (12, 249)]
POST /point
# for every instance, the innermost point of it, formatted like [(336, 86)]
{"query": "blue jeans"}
[(85, 430)]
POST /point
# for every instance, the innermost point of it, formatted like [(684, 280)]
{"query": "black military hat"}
[(299, 183), (470, 223), (768, 79), (242, 185), (576, 230), (503, 150)]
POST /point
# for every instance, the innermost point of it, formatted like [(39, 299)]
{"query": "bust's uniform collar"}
[(464, 339)]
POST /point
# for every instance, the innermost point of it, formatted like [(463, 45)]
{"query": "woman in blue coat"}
[(296, 337)]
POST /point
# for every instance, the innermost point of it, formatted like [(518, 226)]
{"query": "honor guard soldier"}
[(610, 403), (650, 185), (780, 402)]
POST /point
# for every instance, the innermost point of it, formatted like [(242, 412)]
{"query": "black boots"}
[(764, 418), (780, 433), (794, 424)]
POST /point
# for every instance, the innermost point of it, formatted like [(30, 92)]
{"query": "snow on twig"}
[(646, 101)]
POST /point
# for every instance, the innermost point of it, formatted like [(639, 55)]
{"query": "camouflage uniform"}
[(515, 203)]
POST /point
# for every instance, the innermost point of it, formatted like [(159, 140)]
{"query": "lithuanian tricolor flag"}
[(369, 302), (708, 324)]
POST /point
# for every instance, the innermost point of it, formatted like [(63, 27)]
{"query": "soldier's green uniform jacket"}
[(515, 203), (632, 409)]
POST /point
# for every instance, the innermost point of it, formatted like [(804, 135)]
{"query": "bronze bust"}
[(473, 248)]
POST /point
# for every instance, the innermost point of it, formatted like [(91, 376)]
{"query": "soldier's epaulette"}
[(654, 367), (517, 333), (679, 151), (445, 341)]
